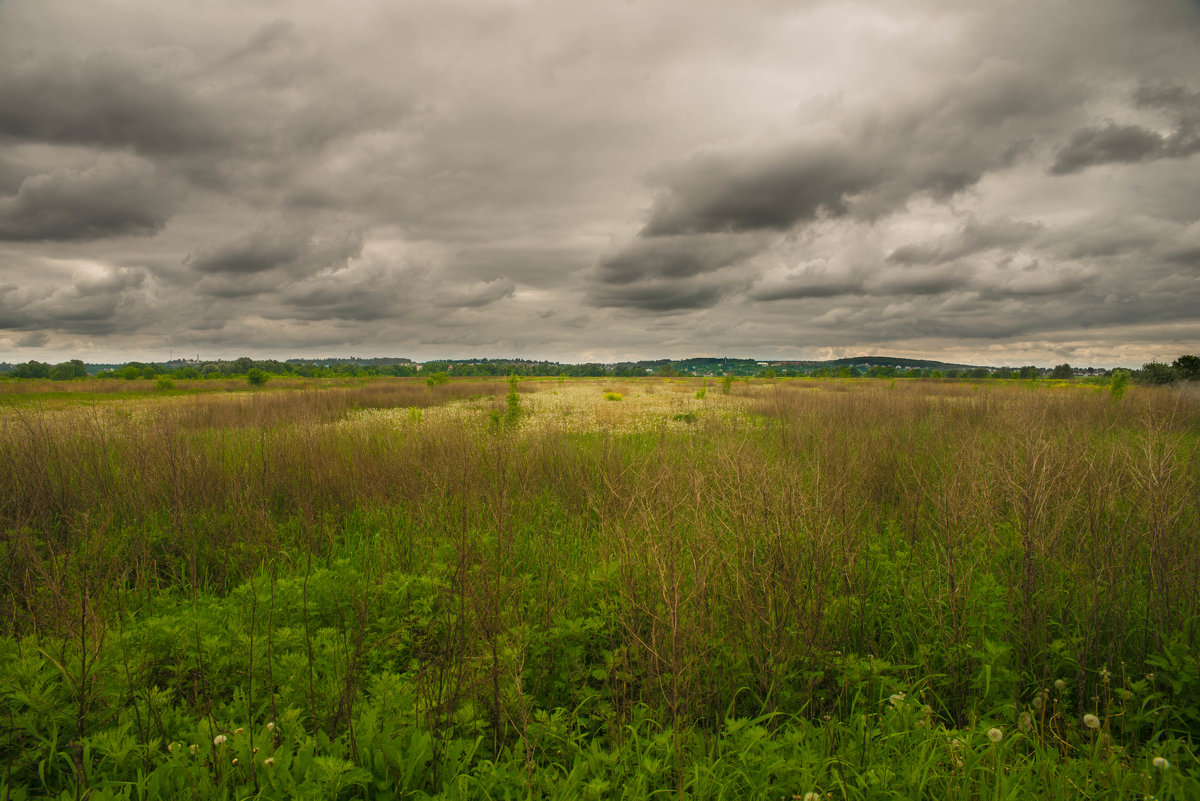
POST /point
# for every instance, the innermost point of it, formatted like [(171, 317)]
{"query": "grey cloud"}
[(808, 282), (293, 248), (106, 100), (936, 147), (917, 280), (118, 196), (658, 295), (1111, 144), (94, 303), (1130, 144), (675, 257), (974, 237), (480, 294), (735, 192), (339, 295)]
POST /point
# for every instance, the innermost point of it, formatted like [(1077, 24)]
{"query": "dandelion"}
[(171, 747), (995, 735), (269, 761), (1038, 700), (271, 726), (193, 748), (1091, 721), (220, 739), (897, 699), (812, 796), (239, 730), (1161, 763), (1060, 685), (1104, 675), (1025, 721), (235, 760)]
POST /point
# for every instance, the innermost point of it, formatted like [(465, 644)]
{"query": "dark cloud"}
[(116, 197), (1130, 144), (1111, 144), (674, 257), (294, 248), (658, 295), (107, 100), (738, 192)]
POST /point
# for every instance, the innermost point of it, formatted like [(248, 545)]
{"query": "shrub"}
[(613, 396), (1118, 385), (256, 377)]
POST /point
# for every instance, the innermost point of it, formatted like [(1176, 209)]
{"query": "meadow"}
[(611, 588)]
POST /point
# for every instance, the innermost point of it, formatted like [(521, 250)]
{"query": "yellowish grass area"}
[(580, 405)]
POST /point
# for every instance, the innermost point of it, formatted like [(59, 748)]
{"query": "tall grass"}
[(864, 564)]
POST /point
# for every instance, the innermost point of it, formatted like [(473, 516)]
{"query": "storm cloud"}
[(1005, 182)]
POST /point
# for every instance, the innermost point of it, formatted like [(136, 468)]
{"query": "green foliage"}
[(726, 384), (1062, 372), (426, 611), (512, 402), (1118, 384), (436, 379), (703, 391), (256, 377), (1187, 367), (164, 383), (613, 396), (1027, 372), (1157, 374)]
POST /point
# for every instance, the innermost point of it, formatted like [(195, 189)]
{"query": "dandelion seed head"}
[(1091, 721), (239, 730), (271, 726), (235, 760), (995, 735), (269, 761), (1161, 763), (220, 739), (1060, 685)]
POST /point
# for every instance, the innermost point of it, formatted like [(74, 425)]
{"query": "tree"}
[(1062, 371), (1187, 367), (1028, 371), (1157, 373), (256, 377)]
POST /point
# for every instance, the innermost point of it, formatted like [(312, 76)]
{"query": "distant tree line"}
[(1184, 368)]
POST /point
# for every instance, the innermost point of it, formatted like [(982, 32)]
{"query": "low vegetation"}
[(793, 588)]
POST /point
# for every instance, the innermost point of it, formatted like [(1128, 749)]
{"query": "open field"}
[(612, 588)]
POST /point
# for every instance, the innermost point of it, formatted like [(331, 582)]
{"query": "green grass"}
[(839, 590)]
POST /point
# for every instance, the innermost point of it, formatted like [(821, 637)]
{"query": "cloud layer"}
[(1004, 183)]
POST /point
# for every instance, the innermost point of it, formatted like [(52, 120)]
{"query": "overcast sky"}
[(1001, 182)]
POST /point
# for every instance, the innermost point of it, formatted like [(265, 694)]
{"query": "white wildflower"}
[(220, 739), (1091, 721), (1161, 763), (995, 735)]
